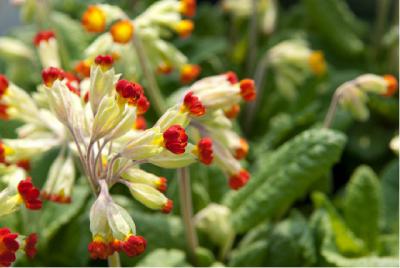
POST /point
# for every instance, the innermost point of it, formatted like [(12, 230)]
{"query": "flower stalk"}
[(185, 196), (114, 260)]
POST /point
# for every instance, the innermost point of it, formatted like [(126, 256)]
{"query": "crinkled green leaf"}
[(252, 255), (204, 257), (285, 176), (362, 205)]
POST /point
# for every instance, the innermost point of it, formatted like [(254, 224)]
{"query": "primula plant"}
[(199, 133)]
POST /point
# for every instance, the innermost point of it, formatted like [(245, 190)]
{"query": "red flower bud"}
[(140, 123), (24, 163), (134, 245), (242, 151), (43, 36), (30, 194), (194, 105), (8, 247), (3, 85), (233, 111), (205, 150), (188, 7), (239, 180), (248, 89), (175, 139), (30, 245), (142, 105), (99, 250), (129, 90), (105, 61), (3, 112), (51, 74), (168, 207), (231, 77)]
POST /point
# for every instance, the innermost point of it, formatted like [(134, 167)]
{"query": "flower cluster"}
[(150, 27), (292, 61), (207, 107), (353, 95)]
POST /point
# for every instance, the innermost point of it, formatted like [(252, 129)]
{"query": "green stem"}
[(252, 48), (154, 92), (185, 195), (382, 7), (114, 261), (226, 247), (331, 111)]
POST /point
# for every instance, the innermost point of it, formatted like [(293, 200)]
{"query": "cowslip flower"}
[(150, 27), (353, 95), (292, 61), (47, 47)]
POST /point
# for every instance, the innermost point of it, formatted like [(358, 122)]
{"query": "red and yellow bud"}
[(99, 248), (167, 207), (192, 104), (29, 194), (83, 68), (122, 31), (242, 151), (129, 90), (162, 184), (43, 36), (184, 28), (94, 20), (237, 181), (3, 85), (175, 139), (142, 105), (189, 72), (204, 150), (188, 7), (392, 85), (317, 62), (164, 68), (51, 74), (231, 77), (233, 111), (8, 247), (248, 89), (104, 61), (30, 245)]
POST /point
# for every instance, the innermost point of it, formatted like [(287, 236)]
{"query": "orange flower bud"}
[(184, 28), (188, 7), (231, 77), (3, 112), (189, 72), (233, 111), (122, 31), (164, 68), (317, 62), (162, 184), (140, 123), (392, 85), (242, 151), (83, 68), (248, 89), (168, 207), (94, 20)]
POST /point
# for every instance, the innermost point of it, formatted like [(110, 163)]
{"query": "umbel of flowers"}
[(111, 149), (152, 27)]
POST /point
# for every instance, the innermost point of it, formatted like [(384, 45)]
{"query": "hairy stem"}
[(114, 261), (185, 195), (331, 111), (153, 90)]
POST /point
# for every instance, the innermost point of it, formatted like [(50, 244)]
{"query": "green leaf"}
[(164, 258), (204, 257), (362, 205), (252, 255), (390, 194), (331, 226), (285, 176)]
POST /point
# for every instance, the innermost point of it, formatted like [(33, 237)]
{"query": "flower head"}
[(94, 19), (129, 90), (122, 31), (175, 139), (184, 28), (29, 194)]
